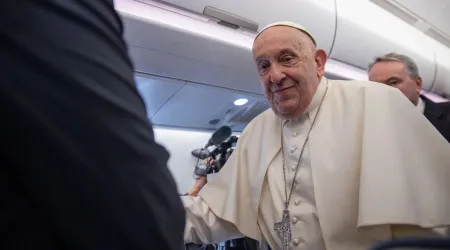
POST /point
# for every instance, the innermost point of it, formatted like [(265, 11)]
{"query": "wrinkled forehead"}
[(276, 39), (383, 71)]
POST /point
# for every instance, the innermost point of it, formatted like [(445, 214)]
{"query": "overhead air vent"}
[(408, 12), (438, 36), (230, 20), (174, 9), (214, 121), (398, 11)]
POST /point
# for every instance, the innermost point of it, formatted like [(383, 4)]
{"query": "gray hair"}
[(410, 65)]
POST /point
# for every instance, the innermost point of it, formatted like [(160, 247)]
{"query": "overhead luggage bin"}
[(207, 107), (156, 91), (442, 83), (176, 44), (318, 16), (168, 41), (366, 31)]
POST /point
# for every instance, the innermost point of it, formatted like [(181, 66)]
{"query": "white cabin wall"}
[(180, 142)]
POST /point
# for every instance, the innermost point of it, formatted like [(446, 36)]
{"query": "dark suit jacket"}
[(413, 243), (439, 115), (79, 166)]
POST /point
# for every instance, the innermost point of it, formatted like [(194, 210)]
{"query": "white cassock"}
[(372, 164)]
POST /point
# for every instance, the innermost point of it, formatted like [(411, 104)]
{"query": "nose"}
[(276, 74)]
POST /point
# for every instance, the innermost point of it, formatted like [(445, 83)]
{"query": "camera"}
[(223, 143)]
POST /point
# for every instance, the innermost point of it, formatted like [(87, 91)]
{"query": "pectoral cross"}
[(284, 230)]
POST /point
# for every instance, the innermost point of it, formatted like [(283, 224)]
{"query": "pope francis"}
[(332, 165)]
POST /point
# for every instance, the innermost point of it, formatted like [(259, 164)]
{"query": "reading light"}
[(240, 102)]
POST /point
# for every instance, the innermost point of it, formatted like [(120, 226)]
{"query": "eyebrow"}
[(281, 52), (392, 78), (286, 51), (260, 58)]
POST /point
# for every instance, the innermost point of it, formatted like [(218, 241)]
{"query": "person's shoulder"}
[(445, 107), (259, 122), (264, 118), (442, 107), (267, 114), (367, 87), (358, 84)]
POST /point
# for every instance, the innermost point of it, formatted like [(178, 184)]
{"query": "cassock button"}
[(295, 134), (297, 241), (293, 149), (293, 167), (294, 220), (297, 202)]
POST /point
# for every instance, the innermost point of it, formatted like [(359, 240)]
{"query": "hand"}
[(199, 183), (209, 162)]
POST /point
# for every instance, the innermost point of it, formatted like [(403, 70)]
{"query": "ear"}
[(321, 59), (419, 84)]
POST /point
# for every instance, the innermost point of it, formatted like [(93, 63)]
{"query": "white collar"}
[(421, 105)]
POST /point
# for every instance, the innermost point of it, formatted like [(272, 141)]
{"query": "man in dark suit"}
[(79, 166), (401, 72)]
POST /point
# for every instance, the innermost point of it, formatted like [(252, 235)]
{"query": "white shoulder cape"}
[(376, 160)]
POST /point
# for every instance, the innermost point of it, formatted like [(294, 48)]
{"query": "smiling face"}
[(290, 69)]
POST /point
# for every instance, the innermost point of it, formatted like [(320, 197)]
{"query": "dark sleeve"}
[(75, 132)]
